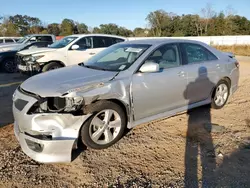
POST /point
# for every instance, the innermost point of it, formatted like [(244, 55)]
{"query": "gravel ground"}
[(214, 153)]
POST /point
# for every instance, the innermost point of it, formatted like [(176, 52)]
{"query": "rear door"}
[(102, 42), (202, 72)]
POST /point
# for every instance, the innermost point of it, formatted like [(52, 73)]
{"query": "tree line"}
[(160, 23)]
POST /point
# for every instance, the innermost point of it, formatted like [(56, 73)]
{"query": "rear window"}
[(8, 40)]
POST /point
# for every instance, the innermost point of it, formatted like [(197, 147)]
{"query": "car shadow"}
[(81, 147), (76, 152)]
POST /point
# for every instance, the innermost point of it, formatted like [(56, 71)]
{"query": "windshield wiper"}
[(93, 67)]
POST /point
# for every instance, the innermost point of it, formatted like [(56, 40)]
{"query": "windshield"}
[(63, 42), (117, 58), (21, 40)]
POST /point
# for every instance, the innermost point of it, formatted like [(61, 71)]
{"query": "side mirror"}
[(150, 67), (75, 47)]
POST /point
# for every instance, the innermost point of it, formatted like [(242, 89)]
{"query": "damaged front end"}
[(47, 128)]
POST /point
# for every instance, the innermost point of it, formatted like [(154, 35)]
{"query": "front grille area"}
[(20, 104), (19, 60)]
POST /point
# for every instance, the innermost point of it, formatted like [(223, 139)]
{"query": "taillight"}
[(237, 64)]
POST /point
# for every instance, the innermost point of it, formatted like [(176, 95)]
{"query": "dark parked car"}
[(7, 58)]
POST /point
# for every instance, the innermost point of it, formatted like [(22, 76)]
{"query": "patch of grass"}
[(243, 50)]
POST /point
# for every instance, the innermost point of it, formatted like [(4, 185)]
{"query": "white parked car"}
[(70, 50)]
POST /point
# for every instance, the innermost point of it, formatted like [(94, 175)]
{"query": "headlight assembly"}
[(58, 104), (34, 58), (27, 58)]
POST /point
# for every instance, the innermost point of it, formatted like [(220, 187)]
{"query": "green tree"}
[(67, 27), (122, 31), (96, 30), (54, 29), (24, 23), (140, 32), (45, 31), (7, 28), (159, 22), (82, 28)]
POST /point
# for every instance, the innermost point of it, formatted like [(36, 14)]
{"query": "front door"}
[(155, 93), (83, 53)]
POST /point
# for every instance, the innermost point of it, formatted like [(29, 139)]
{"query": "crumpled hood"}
[(58, 82), (36, 50)]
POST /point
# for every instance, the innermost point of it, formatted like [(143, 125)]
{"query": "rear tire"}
[(9, 65), (105, 127), (220, 94), (51, 66)]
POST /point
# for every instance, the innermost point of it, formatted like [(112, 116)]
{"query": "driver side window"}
[(33, 39), (84, 43), (167, 56)]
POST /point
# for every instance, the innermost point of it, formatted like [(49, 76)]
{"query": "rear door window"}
[(101, 42), (104, 42), (44, 39), (196, 53), (117, 40), (8, 40), (1, 41)]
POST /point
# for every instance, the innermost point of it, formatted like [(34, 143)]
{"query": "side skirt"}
[(168, 113)]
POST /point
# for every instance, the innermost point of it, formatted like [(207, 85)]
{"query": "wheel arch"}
[(56, 61), (125, 107), (225, 78)]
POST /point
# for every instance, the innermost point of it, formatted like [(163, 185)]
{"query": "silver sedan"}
[(123, 86)]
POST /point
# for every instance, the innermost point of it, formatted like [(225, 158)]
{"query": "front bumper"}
[(29, 67), (45, 151), (32, 131)]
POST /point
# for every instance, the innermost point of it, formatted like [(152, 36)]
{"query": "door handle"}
[(181, 74), (91, 53), (218, 66)]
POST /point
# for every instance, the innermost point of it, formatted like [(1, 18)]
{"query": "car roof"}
[(99, 35), (158, 41), (40, 35)]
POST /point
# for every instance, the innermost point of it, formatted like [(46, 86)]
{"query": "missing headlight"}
[(56, 103)]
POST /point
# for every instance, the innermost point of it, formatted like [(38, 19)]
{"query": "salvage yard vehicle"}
[(125, 85), (4, 40), (7, 58), (70, 50), (28, 39)]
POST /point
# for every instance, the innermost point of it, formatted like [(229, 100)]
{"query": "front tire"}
[(51, 66), (9, 65), (105, 127), (220, 95)]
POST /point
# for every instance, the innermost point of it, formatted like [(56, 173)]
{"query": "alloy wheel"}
[(105, 126)]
